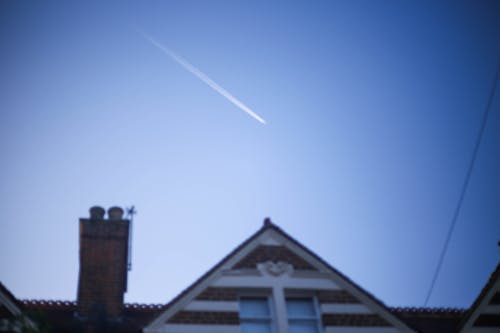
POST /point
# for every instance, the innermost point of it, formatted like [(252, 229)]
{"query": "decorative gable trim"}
[(269, 254), (274, 254)]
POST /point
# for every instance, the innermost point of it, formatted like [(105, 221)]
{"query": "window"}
[(302, 315), (255, 315)]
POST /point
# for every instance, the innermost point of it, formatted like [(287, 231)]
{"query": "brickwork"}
[(218, 294), (205, 317), (336, 296), (273, 253), (103, 266), (340, 319)]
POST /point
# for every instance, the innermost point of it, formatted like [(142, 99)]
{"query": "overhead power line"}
[(465, 184)]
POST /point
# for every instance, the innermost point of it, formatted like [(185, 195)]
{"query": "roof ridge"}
[(145, 306), (32, 300), (48, 303), (426, 309)]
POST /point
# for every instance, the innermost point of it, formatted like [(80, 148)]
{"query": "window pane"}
[(300, 308), (255, 328), (254, 308), (302, 327)]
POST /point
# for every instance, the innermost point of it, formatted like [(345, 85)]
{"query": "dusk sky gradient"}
[(372, 111)]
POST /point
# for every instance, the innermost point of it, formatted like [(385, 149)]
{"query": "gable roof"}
[(12, 317), (489, 295), (235, 258), (431, 320), (59, 316), (9, 305)]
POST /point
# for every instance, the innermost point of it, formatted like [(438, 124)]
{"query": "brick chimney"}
[(103, 264)]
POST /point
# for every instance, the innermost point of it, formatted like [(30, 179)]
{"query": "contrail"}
[(202, 76)]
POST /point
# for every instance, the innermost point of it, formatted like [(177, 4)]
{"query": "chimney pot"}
[(96, 213), (115, 213)]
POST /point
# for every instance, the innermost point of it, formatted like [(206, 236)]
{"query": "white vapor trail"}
[(202, 76)]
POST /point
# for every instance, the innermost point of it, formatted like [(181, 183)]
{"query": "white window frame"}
[(271, 320), (317, 311), (278, 314)]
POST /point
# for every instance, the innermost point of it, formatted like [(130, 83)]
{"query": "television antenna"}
[(130, 216)]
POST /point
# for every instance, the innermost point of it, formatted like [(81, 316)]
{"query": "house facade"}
[(270, 283)]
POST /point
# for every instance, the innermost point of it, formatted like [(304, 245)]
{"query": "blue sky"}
[(373, 108)]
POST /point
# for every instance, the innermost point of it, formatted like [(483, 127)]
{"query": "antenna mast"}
[(130, 216)]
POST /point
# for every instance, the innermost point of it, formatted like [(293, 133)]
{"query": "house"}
[(11, 314), (269, 283)]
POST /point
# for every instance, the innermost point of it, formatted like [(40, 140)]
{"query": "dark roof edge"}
[(10, 295), (494, 276)]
